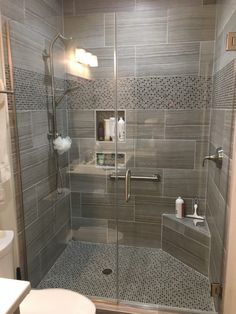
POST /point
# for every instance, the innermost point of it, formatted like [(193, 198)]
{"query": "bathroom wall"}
[(46, 214), (164, 83), (222, 117)]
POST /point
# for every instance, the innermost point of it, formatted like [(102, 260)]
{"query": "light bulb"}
[(80, 55), (87, 58), (93, 61)]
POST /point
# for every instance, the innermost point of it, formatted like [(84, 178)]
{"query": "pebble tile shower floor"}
[(145, 275)]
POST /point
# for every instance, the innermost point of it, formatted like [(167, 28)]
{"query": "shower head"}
[(63, 38), (66, 92)]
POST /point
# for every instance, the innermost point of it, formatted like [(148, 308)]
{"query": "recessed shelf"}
[(108, 159), (101, 116)]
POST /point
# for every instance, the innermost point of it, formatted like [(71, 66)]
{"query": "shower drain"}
[(107, 271)]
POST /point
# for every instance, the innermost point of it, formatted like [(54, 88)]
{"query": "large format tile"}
[(27, 47), (164, 154), (137, 233), (190, 24), (39, 232), (187, 117), (106, 62), (150, 209), (62, 212), (206, 58), (106, 206), (90, 229), (82, 7), (88, 29), (186, 183), (53, 249), (30, 206), (167, 59), (25, 133), (191, 252), (145, 124), (145, 24), (33, 174), (88, 182), (12, 9), (165, 4), (81, 123), (75, 204)]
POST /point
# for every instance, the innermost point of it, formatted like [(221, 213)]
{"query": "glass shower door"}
[(164, 102)]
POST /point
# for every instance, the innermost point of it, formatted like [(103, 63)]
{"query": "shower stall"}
[(112, 233)]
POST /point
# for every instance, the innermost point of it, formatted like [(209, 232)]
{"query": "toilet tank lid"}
[(6, 240)]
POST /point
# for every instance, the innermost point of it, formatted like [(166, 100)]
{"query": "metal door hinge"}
[(231, 41), (216, 289)]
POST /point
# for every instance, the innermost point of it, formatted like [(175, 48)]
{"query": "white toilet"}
[(45, 301)]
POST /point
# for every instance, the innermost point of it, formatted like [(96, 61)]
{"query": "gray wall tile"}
[(190, 252), (144, 124), (143, 23), (87, 29), (150, 209), (184, 182), (137, 234), (104, 6), (81, 123), (164, 154), (182, 29), (167, 59)]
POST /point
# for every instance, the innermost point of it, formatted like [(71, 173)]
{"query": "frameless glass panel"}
[(166, 93)]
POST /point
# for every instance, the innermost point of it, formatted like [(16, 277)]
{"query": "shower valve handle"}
[(217, 158)]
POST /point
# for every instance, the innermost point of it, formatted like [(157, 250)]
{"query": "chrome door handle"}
[(127, 185)]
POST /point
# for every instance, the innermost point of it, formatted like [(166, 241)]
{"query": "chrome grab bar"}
[(155, 177), (6, 92), (127, 185)]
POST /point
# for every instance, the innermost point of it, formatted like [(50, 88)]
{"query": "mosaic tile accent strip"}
[(176, 92), (33, 90), (156, 278), (224, 87)]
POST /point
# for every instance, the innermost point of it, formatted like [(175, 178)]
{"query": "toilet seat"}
[(58, 301)]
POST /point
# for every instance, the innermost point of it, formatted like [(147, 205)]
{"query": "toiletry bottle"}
[(179, 207), (101, 131), (107, 129), (121, 130), (112, 128)]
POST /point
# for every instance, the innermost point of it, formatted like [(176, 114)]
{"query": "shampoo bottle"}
[(179, 207), (121, 130)]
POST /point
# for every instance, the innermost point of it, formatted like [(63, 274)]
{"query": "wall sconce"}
[(87, 58)]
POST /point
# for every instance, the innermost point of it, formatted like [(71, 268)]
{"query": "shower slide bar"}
[(155, 177)]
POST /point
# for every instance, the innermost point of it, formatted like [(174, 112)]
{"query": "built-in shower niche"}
[(100, 121), (108, 160)]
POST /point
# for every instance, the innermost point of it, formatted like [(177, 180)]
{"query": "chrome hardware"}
[(127, 185), (231, 41), (155, 177), (217, 158), (216, 289), (8, 92)]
